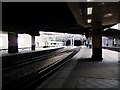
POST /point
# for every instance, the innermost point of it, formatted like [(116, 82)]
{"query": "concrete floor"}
[(81, 73)]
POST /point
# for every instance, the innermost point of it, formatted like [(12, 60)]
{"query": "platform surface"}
[(80, 73), (28, 51)]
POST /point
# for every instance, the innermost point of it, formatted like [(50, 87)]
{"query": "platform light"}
[(89, 21), (89, 10), (90, 0), (106, 29)]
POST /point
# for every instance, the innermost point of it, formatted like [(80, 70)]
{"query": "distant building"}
[(111, 42)]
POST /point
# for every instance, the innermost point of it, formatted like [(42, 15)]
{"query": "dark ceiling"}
[(79, 10), (32, 17)]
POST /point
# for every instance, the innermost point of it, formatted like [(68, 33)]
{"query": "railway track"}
[(113, 48), (29, 74)]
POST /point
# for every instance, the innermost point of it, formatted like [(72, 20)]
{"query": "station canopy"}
[(117, 26)]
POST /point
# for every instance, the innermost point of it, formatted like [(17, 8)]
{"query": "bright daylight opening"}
[(45, 40)]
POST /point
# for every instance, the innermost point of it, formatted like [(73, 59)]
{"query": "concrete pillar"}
[(110, 42), (116, 42), (97, 41), (113, 44), (12, 42), (107, 42), (73, 40), (33, 42), (64, 43)]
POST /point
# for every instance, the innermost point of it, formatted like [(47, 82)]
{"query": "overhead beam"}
[(75, 9)]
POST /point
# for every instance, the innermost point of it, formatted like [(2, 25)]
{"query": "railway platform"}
[(81, 72)]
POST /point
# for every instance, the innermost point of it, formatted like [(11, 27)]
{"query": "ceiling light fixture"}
[(90, 0), (80, 12), (108, 15), (89, 21), (103, 3), (89, 10)]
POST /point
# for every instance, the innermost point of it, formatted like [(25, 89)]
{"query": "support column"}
[(73, 41), (33, 42), (97, 41), (12, 42), (113, 42)]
